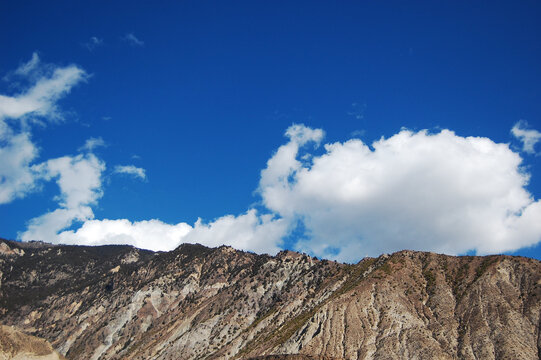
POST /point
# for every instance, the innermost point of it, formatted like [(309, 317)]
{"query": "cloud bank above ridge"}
[(417, 190), (414, 190)]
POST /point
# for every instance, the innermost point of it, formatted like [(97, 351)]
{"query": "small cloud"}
[(93, 43), (135, 156), (106, 118), (133, 40), (357, 110), (31, 71), (26, 68), (358, 134), (92, 143), (528, 137), (131, 170)]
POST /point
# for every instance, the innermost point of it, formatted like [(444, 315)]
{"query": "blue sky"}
[(188, 102)]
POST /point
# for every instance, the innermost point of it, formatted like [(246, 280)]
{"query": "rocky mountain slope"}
[(15, 345), (118, 302)]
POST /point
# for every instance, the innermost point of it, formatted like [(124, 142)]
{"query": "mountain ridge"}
[(116, 301)]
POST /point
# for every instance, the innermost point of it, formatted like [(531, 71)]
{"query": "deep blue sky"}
[(205, 101)]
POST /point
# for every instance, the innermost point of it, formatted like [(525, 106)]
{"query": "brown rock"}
[(195, 302), (19, 346)]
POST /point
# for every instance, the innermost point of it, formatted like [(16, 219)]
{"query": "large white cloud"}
[(261, 233), (249, 231), (439, 192), (415, 190), (147, 234)]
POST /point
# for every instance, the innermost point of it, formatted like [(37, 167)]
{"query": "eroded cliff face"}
[(431, 307), (117, 302)]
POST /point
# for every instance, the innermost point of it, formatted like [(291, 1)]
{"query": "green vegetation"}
[(386, 268), (430, 281), (487, 261)]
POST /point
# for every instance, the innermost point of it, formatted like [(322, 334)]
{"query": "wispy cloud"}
[(26, 68), (78, 177), (92, 43), (92, 143), (39, 100), (131, 170), (48, 84), (528, 137), (357, 110), (133, 40)]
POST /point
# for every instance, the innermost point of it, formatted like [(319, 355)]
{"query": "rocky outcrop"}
[(15, 345), (118, 302)]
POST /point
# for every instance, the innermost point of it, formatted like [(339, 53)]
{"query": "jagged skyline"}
[(112, 302)]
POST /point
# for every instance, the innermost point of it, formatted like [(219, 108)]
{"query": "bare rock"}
[(118, 302)]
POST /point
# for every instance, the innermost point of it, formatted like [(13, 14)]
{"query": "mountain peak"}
[(114, 302)]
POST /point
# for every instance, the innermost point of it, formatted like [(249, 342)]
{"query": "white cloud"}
[(528, 137), (274, 181), (415, 190), (133, 40), (47, 226), (93, 43), (16, 175), (152, 234), (79, 181), (437, 192), (92, 143), (40, 99), (27, 68), (78, 177), (131, 170), (249, 231)]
